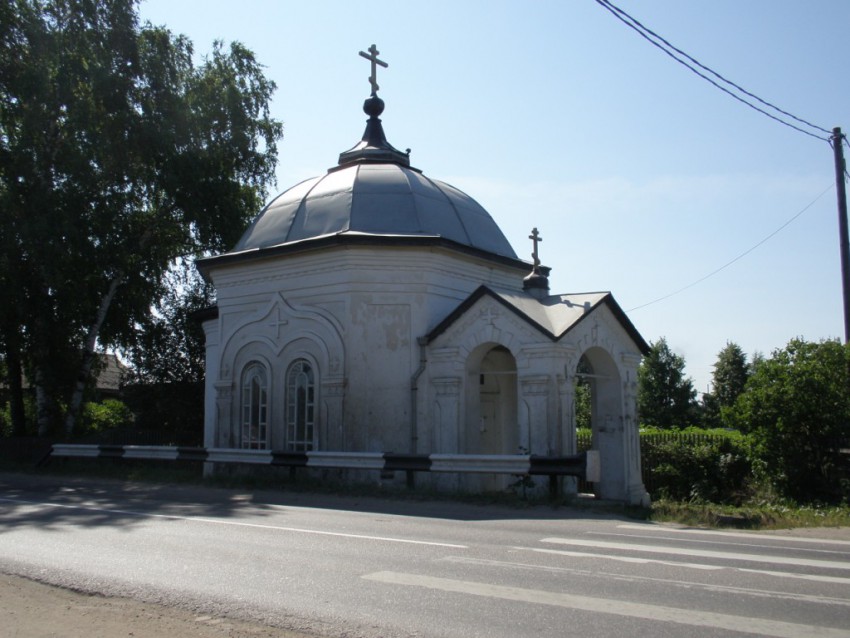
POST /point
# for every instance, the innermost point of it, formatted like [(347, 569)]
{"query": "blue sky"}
[(641, 177)]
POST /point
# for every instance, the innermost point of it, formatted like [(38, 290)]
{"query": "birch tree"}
[(118, 154)]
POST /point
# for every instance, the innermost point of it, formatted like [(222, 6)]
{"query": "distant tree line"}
[(793, 407)]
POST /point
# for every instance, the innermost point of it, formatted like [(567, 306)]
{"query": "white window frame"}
[(254, 408), (300, 406)]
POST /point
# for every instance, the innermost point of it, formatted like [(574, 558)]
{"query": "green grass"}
[(776, 515)]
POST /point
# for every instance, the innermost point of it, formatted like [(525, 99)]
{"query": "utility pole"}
[(838, 149)]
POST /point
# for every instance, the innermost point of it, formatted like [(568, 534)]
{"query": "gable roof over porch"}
[(554, 316)]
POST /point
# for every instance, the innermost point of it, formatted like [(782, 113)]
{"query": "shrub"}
[(697, 465), (6, 429), (692, 464), (108, 414), (797, 407)]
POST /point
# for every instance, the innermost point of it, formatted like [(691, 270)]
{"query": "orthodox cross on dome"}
[(535, 238), (372, 56)]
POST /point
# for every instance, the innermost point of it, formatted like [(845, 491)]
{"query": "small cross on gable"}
[(372, 56), (489, 315), (536, 239)]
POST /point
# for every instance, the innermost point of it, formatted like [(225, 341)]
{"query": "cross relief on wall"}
[(489, 316), (277, 322)]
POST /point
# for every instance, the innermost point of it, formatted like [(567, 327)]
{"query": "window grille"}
[(300, 407), (254, 431)]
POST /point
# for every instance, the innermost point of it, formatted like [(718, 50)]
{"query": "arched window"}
[(300, 407), (255, 401)]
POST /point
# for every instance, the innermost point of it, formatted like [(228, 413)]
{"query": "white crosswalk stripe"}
[(690, 617), (641, 560), (644, 527), (688, 584), (700, 553), (675, 548)]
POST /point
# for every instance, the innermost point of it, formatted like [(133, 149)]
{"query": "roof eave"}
[(481, 291), (206, 264), (621, 317), (467, 303)]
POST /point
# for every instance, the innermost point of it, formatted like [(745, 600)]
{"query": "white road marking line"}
[(714, 542), (814, 577), (198, 519), (750, 535), (691, 617), (632, 578), (655, 561), (701, 553), (624, 559)]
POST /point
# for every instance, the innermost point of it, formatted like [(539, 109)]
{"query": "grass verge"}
[(776, 515)]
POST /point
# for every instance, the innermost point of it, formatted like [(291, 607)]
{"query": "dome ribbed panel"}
[(482, 230), (436, 211), (381, 199), (326, 209), (272, 225), (383, 203)]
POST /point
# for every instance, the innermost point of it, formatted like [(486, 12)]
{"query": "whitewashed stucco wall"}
[(357, 313)]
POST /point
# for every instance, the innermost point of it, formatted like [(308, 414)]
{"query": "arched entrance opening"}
[(599, 404), (491, 406)]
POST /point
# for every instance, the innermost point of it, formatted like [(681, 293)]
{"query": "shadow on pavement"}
[(51, 501)]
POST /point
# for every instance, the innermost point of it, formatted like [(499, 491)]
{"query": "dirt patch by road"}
[(30, 609)]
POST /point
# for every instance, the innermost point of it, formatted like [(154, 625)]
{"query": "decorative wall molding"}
[(446, 386)]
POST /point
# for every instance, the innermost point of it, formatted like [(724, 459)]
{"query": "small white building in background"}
[(375, 309)]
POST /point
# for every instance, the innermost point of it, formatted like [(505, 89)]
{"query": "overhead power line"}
[(739, 257), (690, 63)]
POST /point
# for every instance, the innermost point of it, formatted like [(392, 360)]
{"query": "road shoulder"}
[(34, 610)]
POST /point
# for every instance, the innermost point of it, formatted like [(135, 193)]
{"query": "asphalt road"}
[(372, 567)]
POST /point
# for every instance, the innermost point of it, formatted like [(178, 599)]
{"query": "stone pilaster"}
[(332, 435), (635, 491), (227, 432), (448, 418), (533, 424)]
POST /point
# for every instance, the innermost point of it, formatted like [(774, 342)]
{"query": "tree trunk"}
[(43, 404), (91, 342), (16, 387), (12, 331), (89, 355)]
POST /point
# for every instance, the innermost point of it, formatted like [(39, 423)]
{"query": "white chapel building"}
[(376, 309)]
